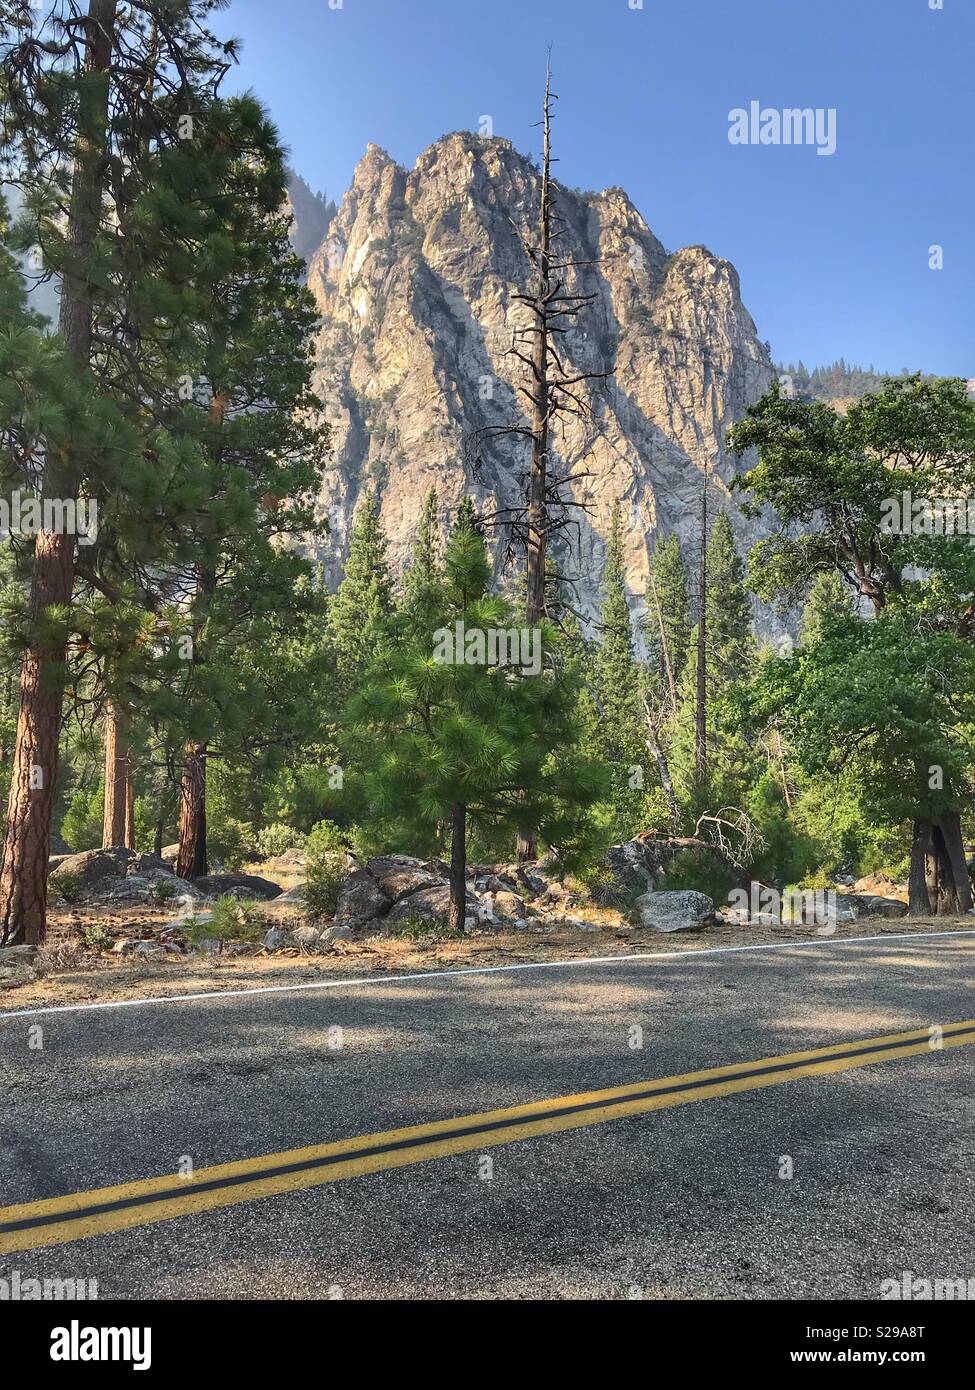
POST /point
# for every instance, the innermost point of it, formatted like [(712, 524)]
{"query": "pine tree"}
[(439, 736), (828, 599), (96, 106), (615, 683), (364, 599), (424, 569), (667, 626)]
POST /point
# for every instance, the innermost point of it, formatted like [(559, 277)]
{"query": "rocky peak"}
[(416, 277)]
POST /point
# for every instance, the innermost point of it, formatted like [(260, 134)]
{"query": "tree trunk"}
[(701, 694), (954, 848), (458, 867), (118, 784), (191, 861), (538, 480), (23, 880), (919, 903), (130, 805)]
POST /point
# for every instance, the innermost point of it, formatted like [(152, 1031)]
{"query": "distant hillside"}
[(839, 381)]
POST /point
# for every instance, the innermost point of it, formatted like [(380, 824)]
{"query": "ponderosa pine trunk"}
[(33, 778), (23, 879), (118, 821), (458, 867), (191, 862)]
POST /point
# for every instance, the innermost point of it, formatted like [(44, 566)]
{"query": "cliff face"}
[(416, 279)]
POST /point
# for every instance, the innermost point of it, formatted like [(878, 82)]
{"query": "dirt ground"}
[(69, 974)]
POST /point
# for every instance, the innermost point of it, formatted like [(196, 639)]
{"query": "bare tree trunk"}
[(458, 867), (664, 646), (663, 768), (537, 483), (701, 694), (23, 880), (919, 903), (191, 862), (954, 847), (117, 783)]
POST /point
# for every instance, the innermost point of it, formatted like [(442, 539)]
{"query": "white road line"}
[(481, 970)]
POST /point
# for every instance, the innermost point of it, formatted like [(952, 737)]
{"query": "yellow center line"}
[(56, 1220)]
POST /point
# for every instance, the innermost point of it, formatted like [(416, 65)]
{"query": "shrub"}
[(700, 869), (231, 920), (325, 869), (97, 937), (81, 828), (416, 928), (275, 839), (230, 841), (69, 887)]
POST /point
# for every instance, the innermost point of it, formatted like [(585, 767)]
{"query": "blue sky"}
[(832, 251)]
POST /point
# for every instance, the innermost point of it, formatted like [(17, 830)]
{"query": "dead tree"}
[(553, 392)]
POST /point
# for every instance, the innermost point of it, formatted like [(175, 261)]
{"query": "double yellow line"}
[(100, 1210)]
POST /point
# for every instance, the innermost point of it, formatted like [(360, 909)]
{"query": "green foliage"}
[(81, 828), (231, 919), (702, 870), (275, 839), (423, 929), (97, 937), (426, 733)]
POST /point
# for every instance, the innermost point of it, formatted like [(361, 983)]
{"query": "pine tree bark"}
[(26, 850), (191, 862), (23, 880), (458, 867), (118, 784)]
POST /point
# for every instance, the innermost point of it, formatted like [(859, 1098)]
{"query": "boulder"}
[(336, 933), (877, 906), (307, 935), (17, 955), (91, 868), (509, 907), (273, 939), (500, 882), (675, 911), (169, 854), (294, 858), (146, 950), (360, 900), (293, 895), (398, 875), (432, 905), (13, 975), (237, 886)]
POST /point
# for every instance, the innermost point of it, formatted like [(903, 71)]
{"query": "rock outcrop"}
[(416, 277)]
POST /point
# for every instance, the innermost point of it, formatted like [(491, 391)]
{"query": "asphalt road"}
[(680, 1202)]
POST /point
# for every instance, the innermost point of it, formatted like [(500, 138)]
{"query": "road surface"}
[(777, 1178)]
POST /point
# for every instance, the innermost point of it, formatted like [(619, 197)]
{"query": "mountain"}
[(416, 278)]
